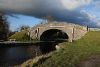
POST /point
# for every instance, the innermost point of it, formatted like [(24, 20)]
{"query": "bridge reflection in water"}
[(15, 53)]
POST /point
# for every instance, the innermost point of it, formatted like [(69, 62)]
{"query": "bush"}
[(20, 36)]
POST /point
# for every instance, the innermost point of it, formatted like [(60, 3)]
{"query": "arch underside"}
[(53, 34)]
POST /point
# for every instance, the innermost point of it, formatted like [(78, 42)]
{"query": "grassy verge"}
[(71, 54), (20, 36)]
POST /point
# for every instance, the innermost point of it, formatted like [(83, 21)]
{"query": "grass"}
[(71, 54), (20, 36)]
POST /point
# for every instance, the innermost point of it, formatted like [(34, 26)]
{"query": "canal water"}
[(11, 56)]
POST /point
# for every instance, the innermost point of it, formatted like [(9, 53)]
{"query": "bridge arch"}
[(74, 32), (53, 34)]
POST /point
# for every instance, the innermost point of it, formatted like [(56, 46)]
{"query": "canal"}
[(12, 54)]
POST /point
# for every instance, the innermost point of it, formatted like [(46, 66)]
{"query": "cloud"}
[(97, 4), (60, 10)]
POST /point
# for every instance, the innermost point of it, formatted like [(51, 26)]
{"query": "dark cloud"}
[(60, 10)]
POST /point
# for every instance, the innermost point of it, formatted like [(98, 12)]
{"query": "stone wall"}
[(73, 31)]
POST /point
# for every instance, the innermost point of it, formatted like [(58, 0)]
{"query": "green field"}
[(71, 54)]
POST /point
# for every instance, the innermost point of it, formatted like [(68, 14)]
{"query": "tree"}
[(4, 27), (23, 27), (49, 18)]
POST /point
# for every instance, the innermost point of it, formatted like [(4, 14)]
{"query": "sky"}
[(17, 21), (30, 12)]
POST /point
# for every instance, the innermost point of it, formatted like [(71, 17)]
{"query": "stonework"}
[(73, 31)]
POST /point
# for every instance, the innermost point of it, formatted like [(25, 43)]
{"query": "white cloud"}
[(73, 4)]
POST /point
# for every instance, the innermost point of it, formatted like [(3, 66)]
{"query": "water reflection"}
[(10, 56)]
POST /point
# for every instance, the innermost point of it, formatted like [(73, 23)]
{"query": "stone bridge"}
[(60, 30)]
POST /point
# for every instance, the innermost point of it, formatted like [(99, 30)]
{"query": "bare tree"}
[(49, 18), (23, 27)]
